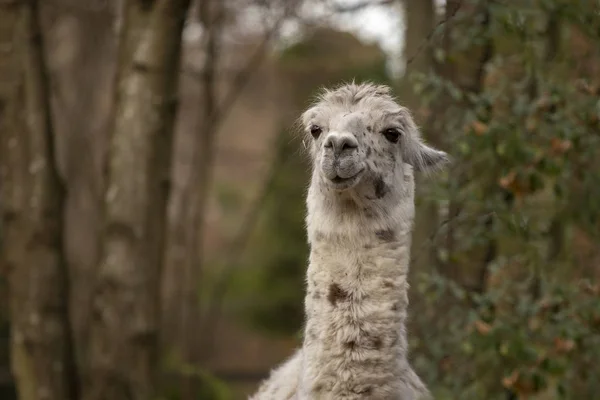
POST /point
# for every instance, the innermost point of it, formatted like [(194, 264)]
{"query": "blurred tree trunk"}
[(126, 311), (8, 87), (81, 50), (420, 18), (211, 15), (184, 252), (32, 214), (466, 69)]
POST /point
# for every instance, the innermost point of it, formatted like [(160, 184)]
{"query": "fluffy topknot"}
[(353, 93)]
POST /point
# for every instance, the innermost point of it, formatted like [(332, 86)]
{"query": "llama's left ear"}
[(415, 152), (424, 158)]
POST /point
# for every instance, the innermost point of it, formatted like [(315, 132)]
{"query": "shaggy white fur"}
[(360, 214)]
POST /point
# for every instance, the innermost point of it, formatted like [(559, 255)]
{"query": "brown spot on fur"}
[(319, 235), (336, 293), (370, 128), (395, 307), (381, 188), (377, 343), (351, 345), (387, 235), (367, 390), (369, 150), (388, 284), (316, 295), (318, 388)]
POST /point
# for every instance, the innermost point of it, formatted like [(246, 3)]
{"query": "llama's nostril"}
[(339, 143), (348, 145)]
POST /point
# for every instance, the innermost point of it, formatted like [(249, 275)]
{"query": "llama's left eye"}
[(392, 134)]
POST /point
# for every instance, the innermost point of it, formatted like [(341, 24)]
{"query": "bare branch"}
[(212, 15), (236, 251), (447, 224), (190, 223), (253, 63), (428, 39), (241, 238), (342, 8)]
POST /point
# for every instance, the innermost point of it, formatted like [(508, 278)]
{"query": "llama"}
[(364, 147)]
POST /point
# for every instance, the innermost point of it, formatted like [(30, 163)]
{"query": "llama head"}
[(362, 146)]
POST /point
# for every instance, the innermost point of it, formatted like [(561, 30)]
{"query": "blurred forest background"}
[(152, 190)]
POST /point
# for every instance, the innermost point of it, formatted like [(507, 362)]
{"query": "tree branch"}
[(212, 14), (427, 41), (339, 8), (236, 251)]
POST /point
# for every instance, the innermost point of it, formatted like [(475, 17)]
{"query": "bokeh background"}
[(152, 190)]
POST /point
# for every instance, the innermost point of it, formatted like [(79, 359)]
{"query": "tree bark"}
[(420, 19), (124, 331), (81, 48), (184, 253), (32, 215), (466, 70)]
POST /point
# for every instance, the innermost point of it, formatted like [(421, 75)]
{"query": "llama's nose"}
[(339, 142)]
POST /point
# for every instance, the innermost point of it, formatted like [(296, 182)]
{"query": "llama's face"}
[(360, 139)]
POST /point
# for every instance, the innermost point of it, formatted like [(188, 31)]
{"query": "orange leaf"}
[(564, 345), (482, 327), (509, 381), (560, 146), (507, 181), (593, 289), (588, 88), (479, 128), (544, 102)]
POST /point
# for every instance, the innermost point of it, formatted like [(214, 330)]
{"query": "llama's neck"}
[(356, 304)]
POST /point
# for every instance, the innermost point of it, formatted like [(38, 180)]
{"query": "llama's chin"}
[(340, 184)]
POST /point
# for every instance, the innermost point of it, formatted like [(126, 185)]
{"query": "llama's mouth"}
[(340, 183)]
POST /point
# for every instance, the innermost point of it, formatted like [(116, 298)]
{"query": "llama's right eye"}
[(315, 131)]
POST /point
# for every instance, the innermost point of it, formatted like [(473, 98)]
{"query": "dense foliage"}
[(513, 305)]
